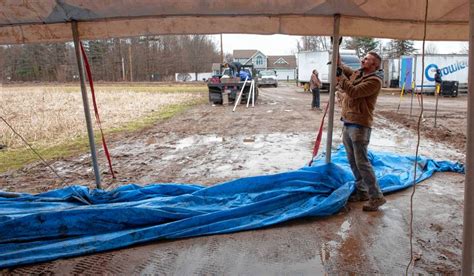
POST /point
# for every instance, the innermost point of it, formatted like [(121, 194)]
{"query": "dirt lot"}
[(210, 144)]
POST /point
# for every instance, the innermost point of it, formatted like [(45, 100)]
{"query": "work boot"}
[(359, 196), (374, 204)]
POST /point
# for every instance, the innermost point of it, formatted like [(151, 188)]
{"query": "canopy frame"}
[(85, 103)]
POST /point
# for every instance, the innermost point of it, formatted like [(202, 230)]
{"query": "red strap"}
[(96, 109), (318, 138)]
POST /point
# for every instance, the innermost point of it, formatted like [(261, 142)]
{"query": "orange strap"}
[(96, 109), (319, 136)]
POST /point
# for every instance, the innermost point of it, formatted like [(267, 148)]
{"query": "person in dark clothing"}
[(437, 76), (438, 80), (235, 67)]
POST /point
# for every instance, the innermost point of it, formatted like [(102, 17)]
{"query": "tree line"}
[(147, 58), (362, 45)]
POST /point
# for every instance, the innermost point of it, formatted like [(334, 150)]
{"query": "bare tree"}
[(149, 58), (313, 43), (430, 49), (465, 48), (229, 57)]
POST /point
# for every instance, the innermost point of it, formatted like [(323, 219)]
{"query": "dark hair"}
[(377, 57)]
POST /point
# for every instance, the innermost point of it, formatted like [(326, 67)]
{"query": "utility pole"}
[(123, 69), (130, 60), (222, 51)]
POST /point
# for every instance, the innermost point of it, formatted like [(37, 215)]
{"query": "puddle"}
[(401, 142), (209, 159), (197, 140), (344, 230)]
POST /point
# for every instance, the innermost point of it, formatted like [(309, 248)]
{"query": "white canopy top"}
[(28, 21)]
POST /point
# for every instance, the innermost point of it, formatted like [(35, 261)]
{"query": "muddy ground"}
[(211, 144)]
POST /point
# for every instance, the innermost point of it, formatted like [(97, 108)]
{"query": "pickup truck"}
[(224, 85), (267, 77)]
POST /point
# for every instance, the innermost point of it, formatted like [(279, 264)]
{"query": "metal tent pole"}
[(332, 90), (467, 248), (85, 102)]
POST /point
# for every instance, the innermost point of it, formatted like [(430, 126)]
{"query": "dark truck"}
[(225, 88)]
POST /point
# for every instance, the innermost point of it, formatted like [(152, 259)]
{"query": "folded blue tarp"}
[(75, 220)]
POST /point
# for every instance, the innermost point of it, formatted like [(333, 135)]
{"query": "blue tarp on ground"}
[(76, 221)]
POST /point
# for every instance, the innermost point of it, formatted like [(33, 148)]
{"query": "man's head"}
[(371, 62)]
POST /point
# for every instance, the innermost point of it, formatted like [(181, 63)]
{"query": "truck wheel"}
[(217, 99)]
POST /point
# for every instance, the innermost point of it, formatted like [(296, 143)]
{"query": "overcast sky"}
[(286, 44)]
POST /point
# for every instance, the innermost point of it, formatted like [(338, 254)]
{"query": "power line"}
[(32, 149)]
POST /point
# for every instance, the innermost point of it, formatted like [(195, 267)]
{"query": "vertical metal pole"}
[(332, 90), (85, 102), (253, 93), (437, 87), (467, 254)]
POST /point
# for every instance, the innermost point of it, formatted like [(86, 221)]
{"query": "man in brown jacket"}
[(315, 84), (359, 90)]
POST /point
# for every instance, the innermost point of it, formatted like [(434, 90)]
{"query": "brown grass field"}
[(52, 115)]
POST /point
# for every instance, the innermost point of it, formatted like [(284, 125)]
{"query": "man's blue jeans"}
[(315, 103), (356, 139)]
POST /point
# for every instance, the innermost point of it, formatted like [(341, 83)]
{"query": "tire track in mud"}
[(161, 261), (95, 264), (297, 105), (209, 264), (440, 134), (41, 269)]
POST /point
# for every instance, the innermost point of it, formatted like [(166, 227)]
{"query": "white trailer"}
[(309, 60), (454, 67)]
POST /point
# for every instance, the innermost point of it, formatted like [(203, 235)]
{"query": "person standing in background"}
[(315, 84), (438, 80)]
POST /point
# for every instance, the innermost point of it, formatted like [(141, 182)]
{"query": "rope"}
[(317, 142), (78, 196), (32, 149), (420, 117), (96, 110)]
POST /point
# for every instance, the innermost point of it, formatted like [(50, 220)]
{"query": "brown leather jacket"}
[(359, 95), (314, 82)]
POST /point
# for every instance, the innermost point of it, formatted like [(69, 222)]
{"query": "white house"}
[(285, 66), (255, 57)]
